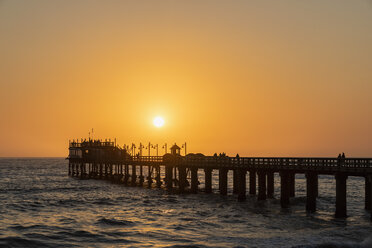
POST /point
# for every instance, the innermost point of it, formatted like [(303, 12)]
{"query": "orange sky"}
[(261, 78)]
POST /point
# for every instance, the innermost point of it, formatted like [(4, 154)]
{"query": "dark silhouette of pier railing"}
[(104, 160)]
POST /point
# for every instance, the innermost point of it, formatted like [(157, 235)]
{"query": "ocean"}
[(41, 206)]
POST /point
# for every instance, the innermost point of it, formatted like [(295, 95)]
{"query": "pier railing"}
[(282, 162)]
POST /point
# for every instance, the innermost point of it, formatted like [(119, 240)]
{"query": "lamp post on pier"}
[(149, 148), (157, 149), (140, 149), (133, 149), (184, 146), (165, 147)]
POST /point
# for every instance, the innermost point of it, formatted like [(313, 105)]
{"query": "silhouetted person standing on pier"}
[(339, 160), (343, 159)]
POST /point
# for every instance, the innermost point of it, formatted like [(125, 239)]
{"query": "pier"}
[(98, 159)]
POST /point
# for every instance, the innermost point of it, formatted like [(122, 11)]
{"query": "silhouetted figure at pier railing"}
[(341, 159)]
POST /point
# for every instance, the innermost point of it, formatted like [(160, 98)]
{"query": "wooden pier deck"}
[(104, 160)]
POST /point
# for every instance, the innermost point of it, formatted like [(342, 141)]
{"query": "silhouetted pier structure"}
[(104, 160)]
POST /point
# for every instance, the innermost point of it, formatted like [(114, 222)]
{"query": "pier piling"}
[(270, 184), (194, 180), (208, 180), (311, 191), (341, 211), (284, 189), (292, 188), (241, 184), (223, 181), (368, 192), (261, 185), (252, 182)]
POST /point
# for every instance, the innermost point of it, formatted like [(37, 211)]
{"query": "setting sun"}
[(158, 121)]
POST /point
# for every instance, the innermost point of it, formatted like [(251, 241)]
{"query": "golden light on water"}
[(158, 121)]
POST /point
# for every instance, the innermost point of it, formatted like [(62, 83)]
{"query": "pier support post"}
[(194, 180), (252, 182), (141, 177), (368, 192), (182, 176), (82, 170), (169, 176), (222, 178), (235, 181), (270, 184), (311, 191), (149, 177), (110, 171), (241, 184), (126, 174), (284, 189), (100, 171), (341, 211), (261, 185), (208, 180), (69, 169), (292, 187), (134, 175), (105, 173), (158, 178)]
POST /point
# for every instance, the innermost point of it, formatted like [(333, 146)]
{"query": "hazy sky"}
[(271, 78)]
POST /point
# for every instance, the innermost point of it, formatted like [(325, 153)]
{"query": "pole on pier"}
[(134, 175), (368, 192), (182, 179), (292, 188), (208, 180), (284, 189), (252, 182), (270, 184), (241, 184), (194, 180), (311, 191), (341, 211), (261, 185), (222, 176)]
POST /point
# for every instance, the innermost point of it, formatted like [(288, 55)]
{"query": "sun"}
[(158, 121)]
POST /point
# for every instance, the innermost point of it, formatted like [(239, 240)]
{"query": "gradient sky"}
[(261, 78)]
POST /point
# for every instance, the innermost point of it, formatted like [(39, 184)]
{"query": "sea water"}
[(41, 206)]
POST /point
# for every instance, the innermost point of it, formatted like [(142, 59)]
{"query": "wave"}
[(22, 242), (113, 222), (366, 243)]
